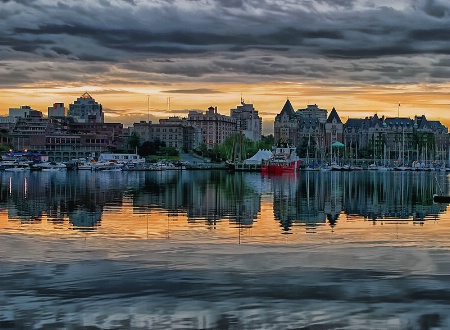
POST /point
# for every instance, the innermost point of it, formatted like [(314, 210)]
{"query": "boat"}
[(283, 160), (441, 198), (86, 165), (107, 166), (51, 166)]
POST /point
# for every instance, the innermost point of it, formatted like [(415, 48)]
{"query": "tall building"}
[(57, 110), (85, 108), (248, 121), (215, 128)]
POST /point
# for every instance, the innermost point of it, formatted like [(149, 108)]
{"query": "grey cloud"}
[(231, 3), (94, 58), (436, 9), (346, 4), (192, 91)]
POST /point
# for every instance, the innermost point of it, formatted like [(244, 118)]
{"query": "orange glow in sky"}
[(132, 104)]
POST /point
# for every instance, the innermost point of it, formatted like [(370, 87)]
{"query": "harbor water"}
[(212, 249)]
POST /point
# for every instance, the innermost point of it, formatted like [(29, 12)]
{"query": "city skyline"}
[(149, 60)]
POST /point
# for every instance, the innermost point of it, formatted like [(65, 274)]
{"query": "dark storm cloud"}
[(244, 40), (436, 8)]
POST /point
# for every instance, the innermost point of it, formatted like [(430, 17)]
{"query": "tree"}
[(267, 142), (134, 141)]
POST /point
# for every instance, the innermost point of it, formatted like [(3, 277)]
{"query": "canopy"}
[(337, 144), (261, 155)]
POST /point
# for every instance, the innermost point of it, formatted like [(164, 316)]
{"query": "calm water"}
[(217, 250)]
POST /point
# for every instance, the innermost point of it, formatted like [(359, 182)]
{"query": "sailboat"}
[(308, 165)]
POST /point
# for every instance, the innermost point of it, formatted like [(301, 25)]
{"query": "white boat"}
[(85, 166), (51, 166), (106, 166)]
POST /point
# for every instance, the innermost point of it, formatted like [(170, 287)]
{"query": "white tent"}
[(261, 155)]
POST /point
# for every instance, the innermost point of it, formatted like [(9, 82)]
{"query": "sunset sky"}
[(360, 56)]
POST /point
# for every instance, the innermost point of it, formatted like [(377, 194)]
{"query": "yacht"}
[(51, 166)]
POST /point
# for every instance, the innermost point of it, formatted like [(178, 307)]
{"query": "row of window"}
[(165, 130), (73, 140), (62, 140)]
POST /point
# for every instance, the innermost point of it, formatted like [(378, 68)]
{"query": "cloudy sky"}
[(360, 56)]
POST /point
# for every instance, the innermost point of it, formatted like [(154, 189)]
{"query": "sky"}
[(153, 59)]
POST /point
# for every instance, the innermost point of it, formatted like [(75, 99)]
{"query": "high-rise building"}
[(215, 128), (247, 120), (57, 110), (86, 109)]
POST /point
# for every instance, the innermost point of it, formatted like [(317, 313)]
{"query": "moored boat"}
[(51, 166), (283, 160)]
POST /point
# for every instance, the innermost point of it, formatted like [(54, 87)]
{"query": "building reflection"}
[(307, 199)]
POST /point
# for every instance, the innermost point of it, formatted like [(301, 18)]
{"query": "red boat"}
[(284, 160)]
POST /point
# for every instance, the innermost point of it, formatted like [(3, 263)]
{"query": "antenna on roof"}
[(168, 104), (148, 108)]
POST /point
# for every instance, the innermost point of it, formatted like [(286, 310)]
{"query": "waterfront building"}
[(62, 138), (63, 148), (174, 132), (403, 140), (27, 128), (85, 108), (304, 128), (248, 121), (214, 127)]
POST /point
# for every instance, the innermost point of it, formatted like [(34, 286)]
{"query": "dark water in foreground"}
[(214, 250)]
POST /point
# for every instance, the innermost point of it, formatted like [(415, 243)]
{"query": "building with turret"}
[(285, 125)]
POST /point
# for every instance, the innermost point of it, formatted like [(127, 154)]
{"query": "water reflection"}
[(309, 199), (160, 251)]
